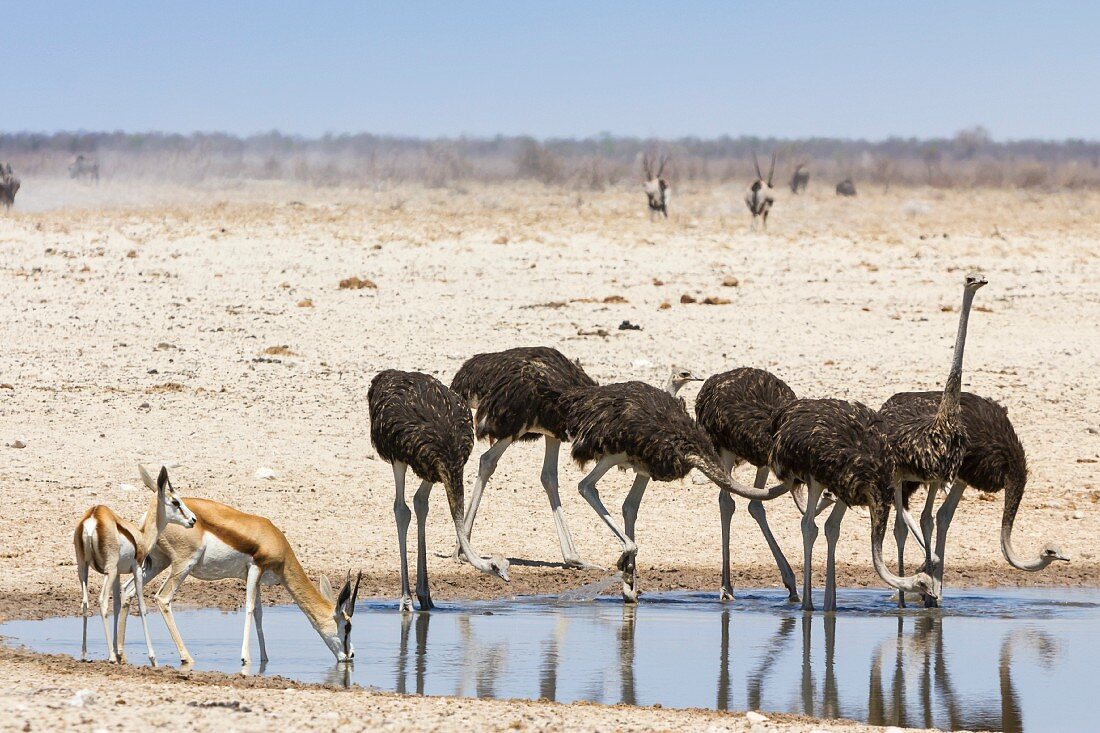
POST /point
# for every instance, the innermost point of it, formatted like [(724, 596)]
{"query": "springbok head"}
[(342, 611), (175, 510)]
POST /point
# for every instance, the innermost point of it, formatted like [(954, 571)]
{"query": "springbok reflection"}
[(990, 662)]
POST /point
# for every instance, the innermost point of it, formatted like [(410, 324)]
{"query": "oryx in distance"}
[(656, 186), (760, 195)]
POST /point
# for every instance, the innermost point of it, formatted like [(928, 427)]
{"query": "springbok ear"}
[(326, 590), (146, 478), (162, 479)]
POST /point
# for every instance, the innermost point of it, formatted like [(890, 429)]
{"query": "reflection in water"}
[(992, 667)]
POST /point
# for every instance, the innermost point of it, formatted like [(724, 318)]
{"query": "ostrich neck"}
[(949, 403), (907, 584), (1036, 563), (672, 386)]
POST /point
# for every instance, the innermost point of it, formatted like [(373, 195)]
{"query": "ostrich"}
[(510, 391), (840, 446), (736, 408), (760, 195), (994, 460), (846, 188), (800, 178), (636, 425), (928, 447), (415, 421), (83, 166), (656, 188)]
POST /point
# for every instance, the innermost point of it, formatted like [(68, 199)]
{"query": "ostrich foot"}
[(793, 597), (577, 563), (406, 604), (425, 602), (726, 594)]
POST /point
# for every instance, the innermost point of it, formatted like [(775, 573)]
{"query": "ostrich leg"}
[(931, 559), (588, 490), (809, 535), (726, 508), (901, 532), (757, 512), (943, 523), (420, 507), (832, 534), (630, 516), (569, 553), (403, 516)]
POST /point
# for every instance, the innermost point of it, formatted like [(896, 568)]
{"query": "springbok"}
[(115, 547), (656, 187), (760, 195), (82, 166), (227, 543)]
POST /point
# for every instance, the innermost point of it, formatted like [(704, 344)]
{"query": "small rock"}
[(5, 385), (152, 371), (685, 298), (641, 363), (731, 282), (264, 473), (82, 698), (305, 303), (986, 496), (628, 326), (754, 717), (18, 444), (501, 240), (712, 300), (665, 305), (356, 283), (1078, 514), (127, 487), (145, 406)]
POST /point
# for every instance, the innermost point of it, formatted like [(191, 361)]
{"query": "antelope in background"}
[(9, 184), (115, 547), (82, 166), (656, 187), (799, 178), (760, 195)]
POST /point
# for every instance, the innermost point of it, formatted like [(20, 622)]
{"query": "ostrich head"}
[(1051, 552), (498, 565), (974, 281), (678, 378)]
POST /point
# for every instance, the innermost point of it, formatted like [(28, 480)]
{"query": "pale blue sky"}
[(788, 69)]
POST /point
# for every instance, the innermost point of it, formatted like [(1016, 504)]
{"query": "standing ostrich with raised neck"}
[(513, 393), (928, 448), (656, 186), (838, 446), (760, 195), (416, 422), (636, 425), (800, 178), (994, 461), (736, 409)]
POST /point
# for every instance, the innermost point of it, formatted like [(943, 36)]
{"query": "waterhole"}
[(1005, 659)]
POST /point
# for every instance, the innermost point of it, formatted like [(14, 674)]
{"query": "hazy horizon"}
[(788, 70)]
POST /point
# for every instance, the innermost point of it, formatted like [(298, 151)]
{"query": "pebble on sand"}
[(754, 717), (264, 473)]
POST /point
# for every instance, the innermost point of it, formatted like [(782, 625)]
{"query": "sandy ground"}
[(206, 328)]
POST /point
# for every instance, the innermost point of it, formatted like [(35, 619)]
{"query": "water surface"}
[(1006, 659)]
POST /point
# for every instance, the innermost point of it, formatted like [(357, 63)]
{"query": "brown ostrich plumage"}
[(840, 445), (928, 445), (416, 420), (737, 409), (650, 426), (508, 389)]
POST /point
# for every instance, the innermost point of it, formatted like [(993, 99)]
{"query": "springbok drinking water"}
[(115, 547), (227, 543)]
